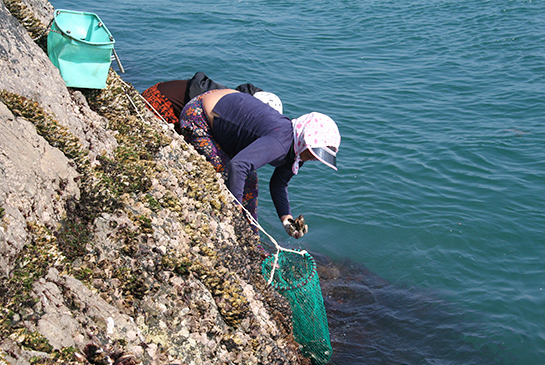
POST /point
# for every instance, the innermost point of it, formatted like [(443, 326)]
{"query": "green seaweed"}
[(26, 17), (31, 264), (53, 132)]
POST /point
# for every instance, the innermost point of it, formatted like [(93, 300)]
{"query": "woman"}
[(169, 97), (238, 134)]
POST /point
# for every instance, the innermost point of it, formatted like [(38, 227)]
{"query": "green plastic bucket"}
[(80, 46)]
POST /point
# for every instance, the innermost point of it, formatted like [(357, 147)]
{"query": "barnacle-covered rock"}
[(133, 251)]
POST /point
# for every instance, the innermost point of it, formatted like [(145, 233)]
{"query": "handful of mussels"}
[(298, 225)]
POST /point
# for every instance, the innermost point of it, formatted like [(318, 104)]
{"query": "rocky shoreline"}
[(119, 243)]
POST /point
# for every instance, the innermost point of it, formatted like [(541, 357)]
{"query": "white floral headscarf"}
[(270, 99), (314, 130)]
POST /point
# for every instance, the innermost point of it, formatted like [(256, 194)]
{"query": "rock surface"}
[(119, 243)]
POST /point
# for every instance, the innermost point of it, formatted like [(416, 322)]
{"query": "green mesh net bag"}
[(294, 276)]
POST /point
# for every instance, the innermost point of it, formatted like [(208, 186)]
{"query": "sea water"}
[(436, 216)]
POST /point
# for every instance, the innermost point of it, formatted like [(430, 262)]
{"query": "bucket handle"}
[(45, 31), (118, 61)]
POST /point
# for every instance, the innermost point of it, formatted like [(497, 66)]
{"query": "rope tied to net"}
[(277, 246), (249, 216)]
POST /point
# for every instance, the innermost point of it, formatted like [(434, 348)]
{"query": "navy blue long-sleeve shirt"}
[(253, 134)]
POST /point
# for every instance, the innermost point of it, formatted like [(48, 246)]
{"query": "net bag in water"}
[(81, 47), (296, 279)]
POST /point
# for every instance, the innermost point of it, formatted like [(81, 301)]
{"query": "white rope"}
[(278, 247), (134, 105), (143, 98), (248, 214)]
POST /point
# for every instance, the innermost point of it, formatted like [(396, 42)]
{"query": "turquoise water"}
[(440, 192)]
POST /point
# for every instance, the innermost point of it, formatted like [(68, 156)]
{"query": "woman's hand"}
[(295, 227)]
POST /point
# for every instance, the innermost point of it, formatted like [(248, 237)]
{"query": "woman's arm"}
[(259, 153)]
